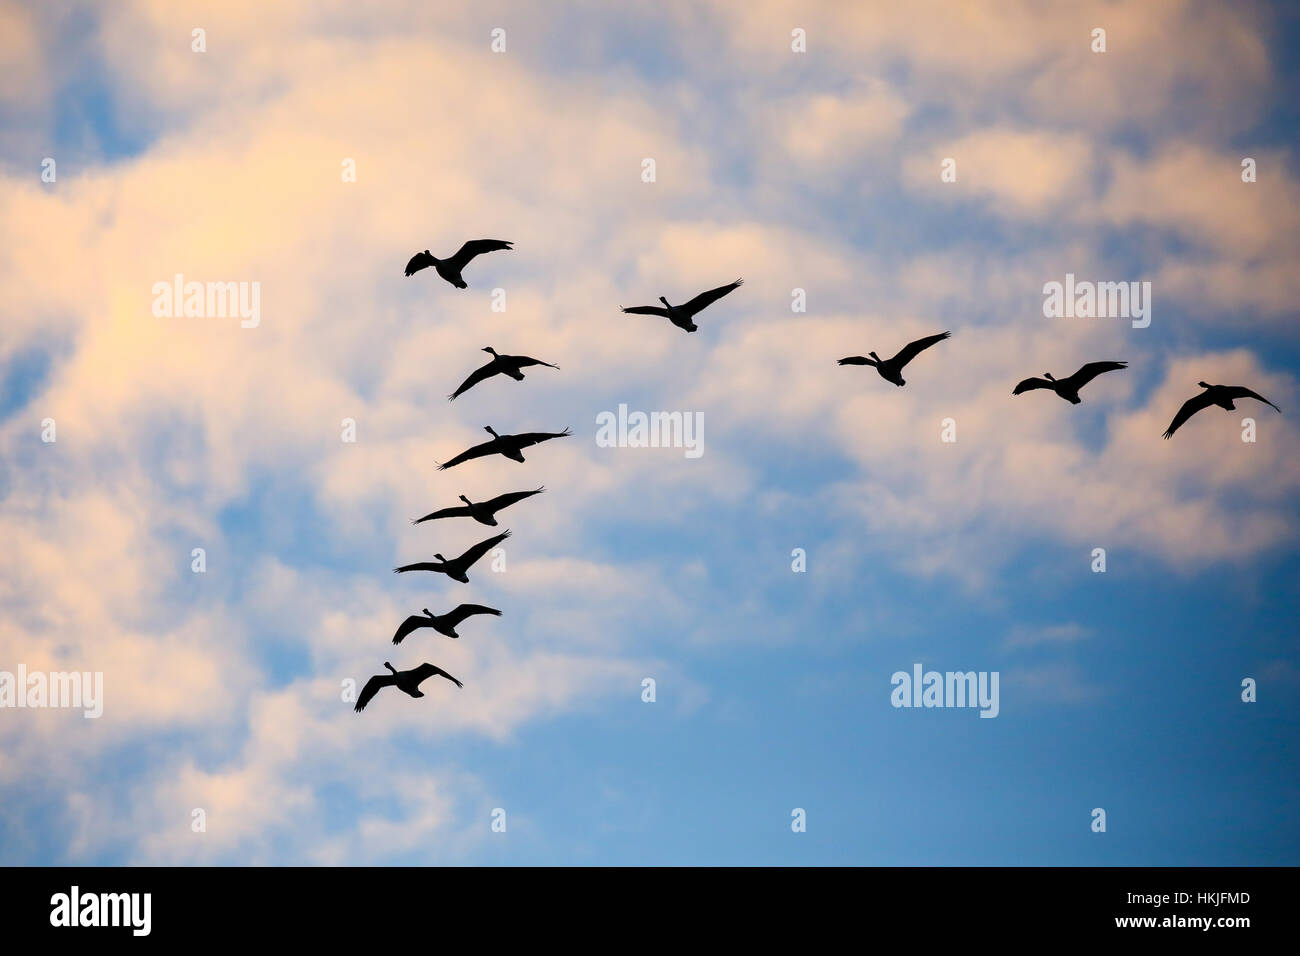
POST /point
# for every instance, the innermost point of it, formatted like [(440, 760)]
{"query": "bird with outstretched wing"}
[(1221, 395)]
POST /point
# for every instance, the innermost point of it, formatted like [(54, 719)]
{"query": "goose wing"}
[(856, 360), (421, 260), (536, 438), (1029, 384), (421, 566), (506, 500), (480, 549), (476, 247), (412, 623), (647, 310), (1190, 408), (476, 376), (468, 610), (1241, 391), (524, 361), (705, 299), (913, 349), (478, 451), (426, 670), (1090, 371), (373, 687), (458, 512)]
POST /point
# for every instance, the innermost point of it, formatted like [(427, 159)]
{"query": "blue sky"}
[(819, 171)]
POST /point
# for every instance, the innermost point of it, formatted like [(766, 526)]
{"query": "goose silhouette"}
[(891, 369), (484, 512), (1068, 388), (1223, 396), (510, 446), (408, 682), (683, 315), (444, 624), (456, 568), (451, 267), (500, 365)]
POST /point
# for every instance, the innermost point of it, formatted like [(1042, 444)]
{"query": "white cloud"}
[(175, 433)]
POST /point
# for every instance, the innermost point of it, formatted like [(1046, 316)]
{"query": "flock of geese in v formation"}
[(682, 316)]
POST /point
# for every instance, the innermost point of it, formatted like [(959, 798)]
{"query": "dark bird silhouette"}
[(484, 512), (508, 445), (891, 370), (1221, 395), (1068, 388), (408, 682), (456, 568), (500, 365), (449, 269), (444, 624), (681, 315)]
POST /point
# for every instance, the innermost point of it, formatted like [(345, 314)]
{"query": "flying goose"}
[(408, 682), (449, 269), (456, 568), (1068, 388), (484, 512), (1221, 395), (508, 445), (444, 624), (681, 315), (891, 370), (500, 365)]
